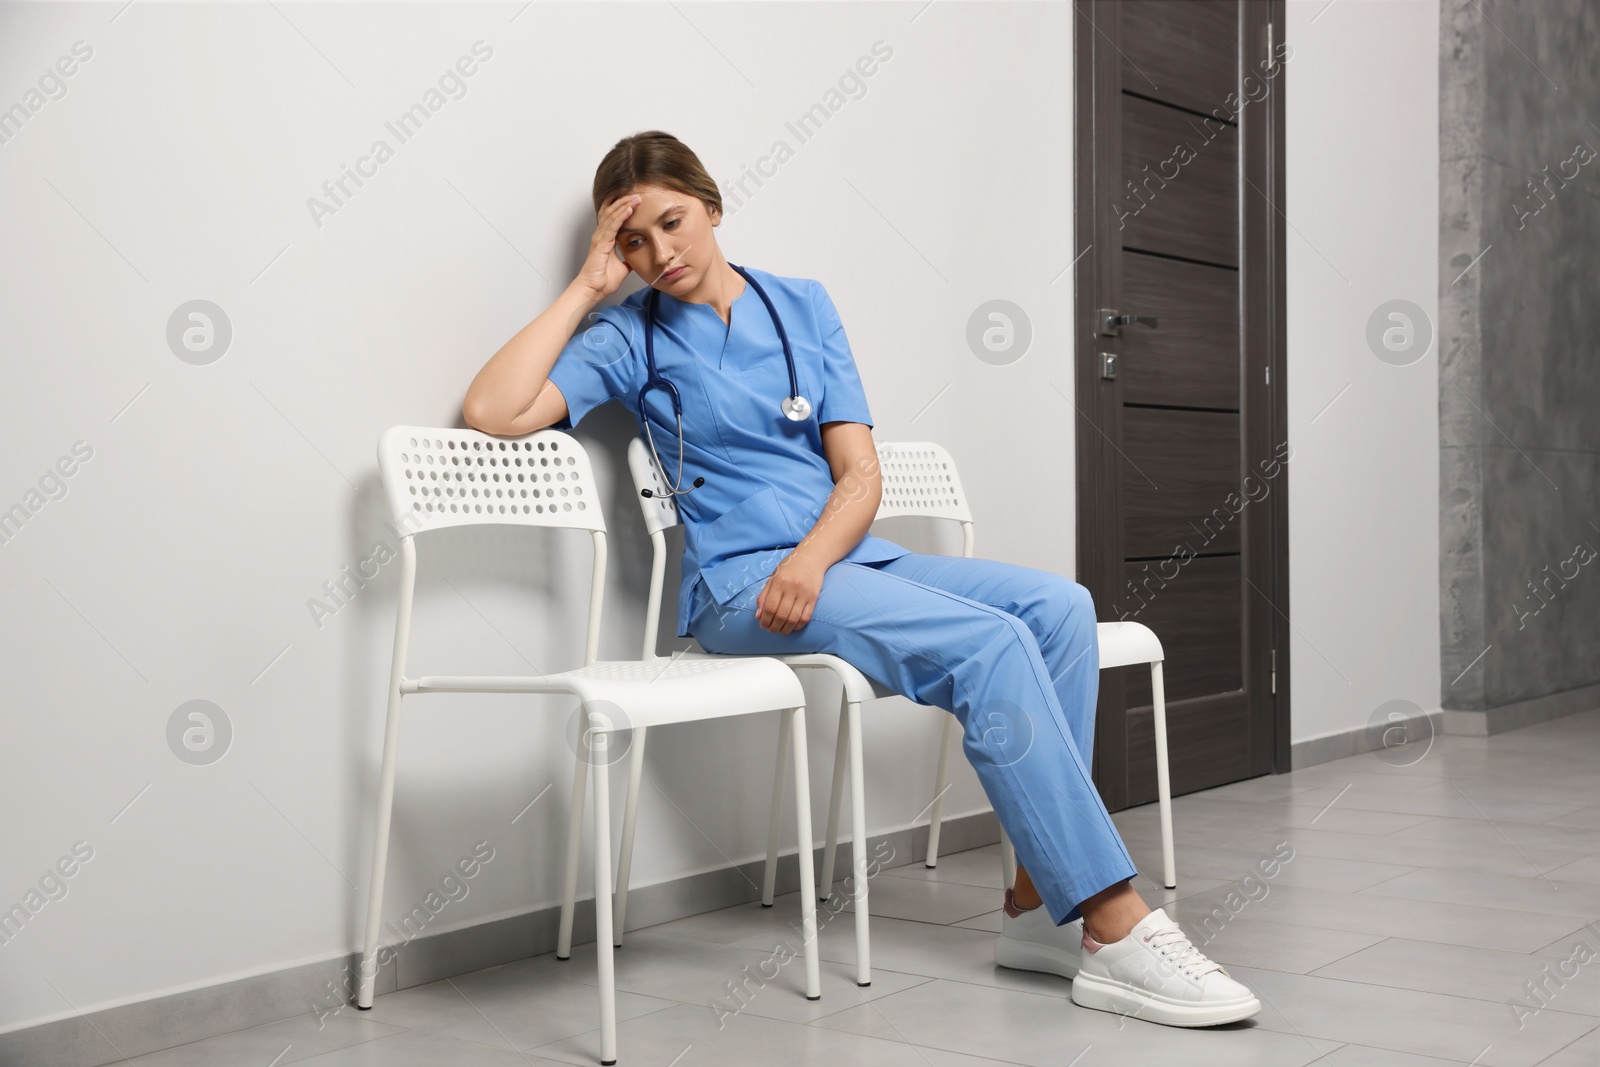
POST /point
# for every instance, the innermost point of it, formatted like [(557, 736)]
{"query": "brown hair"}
[(653, 158)]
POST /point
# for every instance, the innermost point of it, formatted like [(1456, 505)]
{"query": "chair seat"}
[(1123, 644), (681, 688), (857, 686)]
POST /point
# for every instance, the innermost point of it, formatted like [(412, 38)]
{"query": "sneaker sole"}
[(1108, 994), (1031, 956)]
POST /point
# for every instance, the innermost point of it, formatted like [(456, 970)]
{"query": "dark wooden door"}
[(1182, 459)]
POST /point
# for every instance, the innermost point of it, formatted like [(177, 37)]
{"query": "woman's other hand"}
[(786, 601), (604, 271)]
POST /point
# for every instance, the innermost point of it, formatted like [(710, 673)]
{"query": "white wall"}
[(219, 498), (1362, 205)]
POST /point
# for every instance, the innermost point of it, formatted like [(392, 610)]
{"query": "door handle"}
[(1111, 322)]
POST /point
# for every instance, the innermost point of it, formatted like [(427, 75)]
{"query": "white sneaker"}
[(1156, 973), (1031, 941)]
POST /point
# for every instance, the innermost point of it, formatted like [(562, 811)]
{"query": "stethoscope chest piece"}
[(798, 408)]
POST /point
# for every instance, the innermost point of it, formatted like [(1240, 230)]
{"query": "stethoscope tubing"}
[(654, 379)]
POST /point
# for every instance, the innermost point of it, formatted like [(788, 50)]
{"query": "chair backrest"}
[(919, 478), (436, 477), (660, 510), (442, 477)]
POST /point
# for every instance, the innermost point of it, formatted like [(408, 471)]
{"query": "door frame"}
[(1097, 92)]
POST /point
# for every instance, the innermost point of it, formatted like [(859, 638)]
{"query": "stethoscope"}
[(795, 406)]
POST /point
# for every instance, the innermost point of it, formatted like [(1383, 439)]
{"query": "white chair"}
[(1122, 644), (437, 477), (919, 478), (660, 512)]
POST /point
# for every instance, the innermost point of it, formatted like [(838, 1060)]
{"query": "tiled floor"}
[(1418, 904)]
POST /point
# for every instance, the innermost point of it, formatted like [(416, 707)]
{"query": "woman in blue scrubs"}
[(777, 558)]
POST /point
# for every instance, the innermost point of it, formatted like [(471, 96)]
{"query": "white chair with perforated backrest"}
[(1121, 644), (660, 512), (923, 477), (439, 477), (911, 486), (919, 478)]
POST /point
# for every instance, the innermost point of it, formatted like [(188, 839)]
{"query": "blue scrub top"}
[(767, 477)]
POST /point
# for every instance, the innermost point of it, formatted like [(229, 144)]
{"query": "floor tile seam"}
[(1265, 826), (1457, 903), (1569, 855), (914, 1045), (692, 940), (1232, 882), (770, 1019), (1157, 889), (1564, 1048), (1053, 997), (1501, 776), (1491, 821), (575, 983), (275, 1022), (1412, 937), (941, 926), (1458, 996), (1384, 881), (1415, 781), (620, 988), (1288, 801), (1469, 870), (1475, 1001), (1202, 851), (1245, 918), (671, 1002), (941, 881), (936, 1048), (363, 1041), (498, 1047), (582, 1033), (1267, 1026), (866, 1001), (483, 973), (1534, 954), (1355, 805), (1585, 919), (1302, 1035), (1354, 952), (1589, 925), (1530, 956)]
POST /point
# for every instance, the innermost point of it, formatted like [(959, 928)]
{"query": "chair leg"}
[(775, 819), (1008, 860), (368, 978), (941, 782), (1163, 777), (858, 843), (602, 905), (841, 753), (569, 887), (629, 817), (796, 719)]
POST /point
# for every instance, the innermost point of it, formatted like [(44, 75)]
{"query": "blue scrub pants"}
[(1011, 652)]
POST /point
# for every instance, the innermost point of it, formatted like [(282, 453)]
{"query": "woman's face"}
[(668, 240)]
